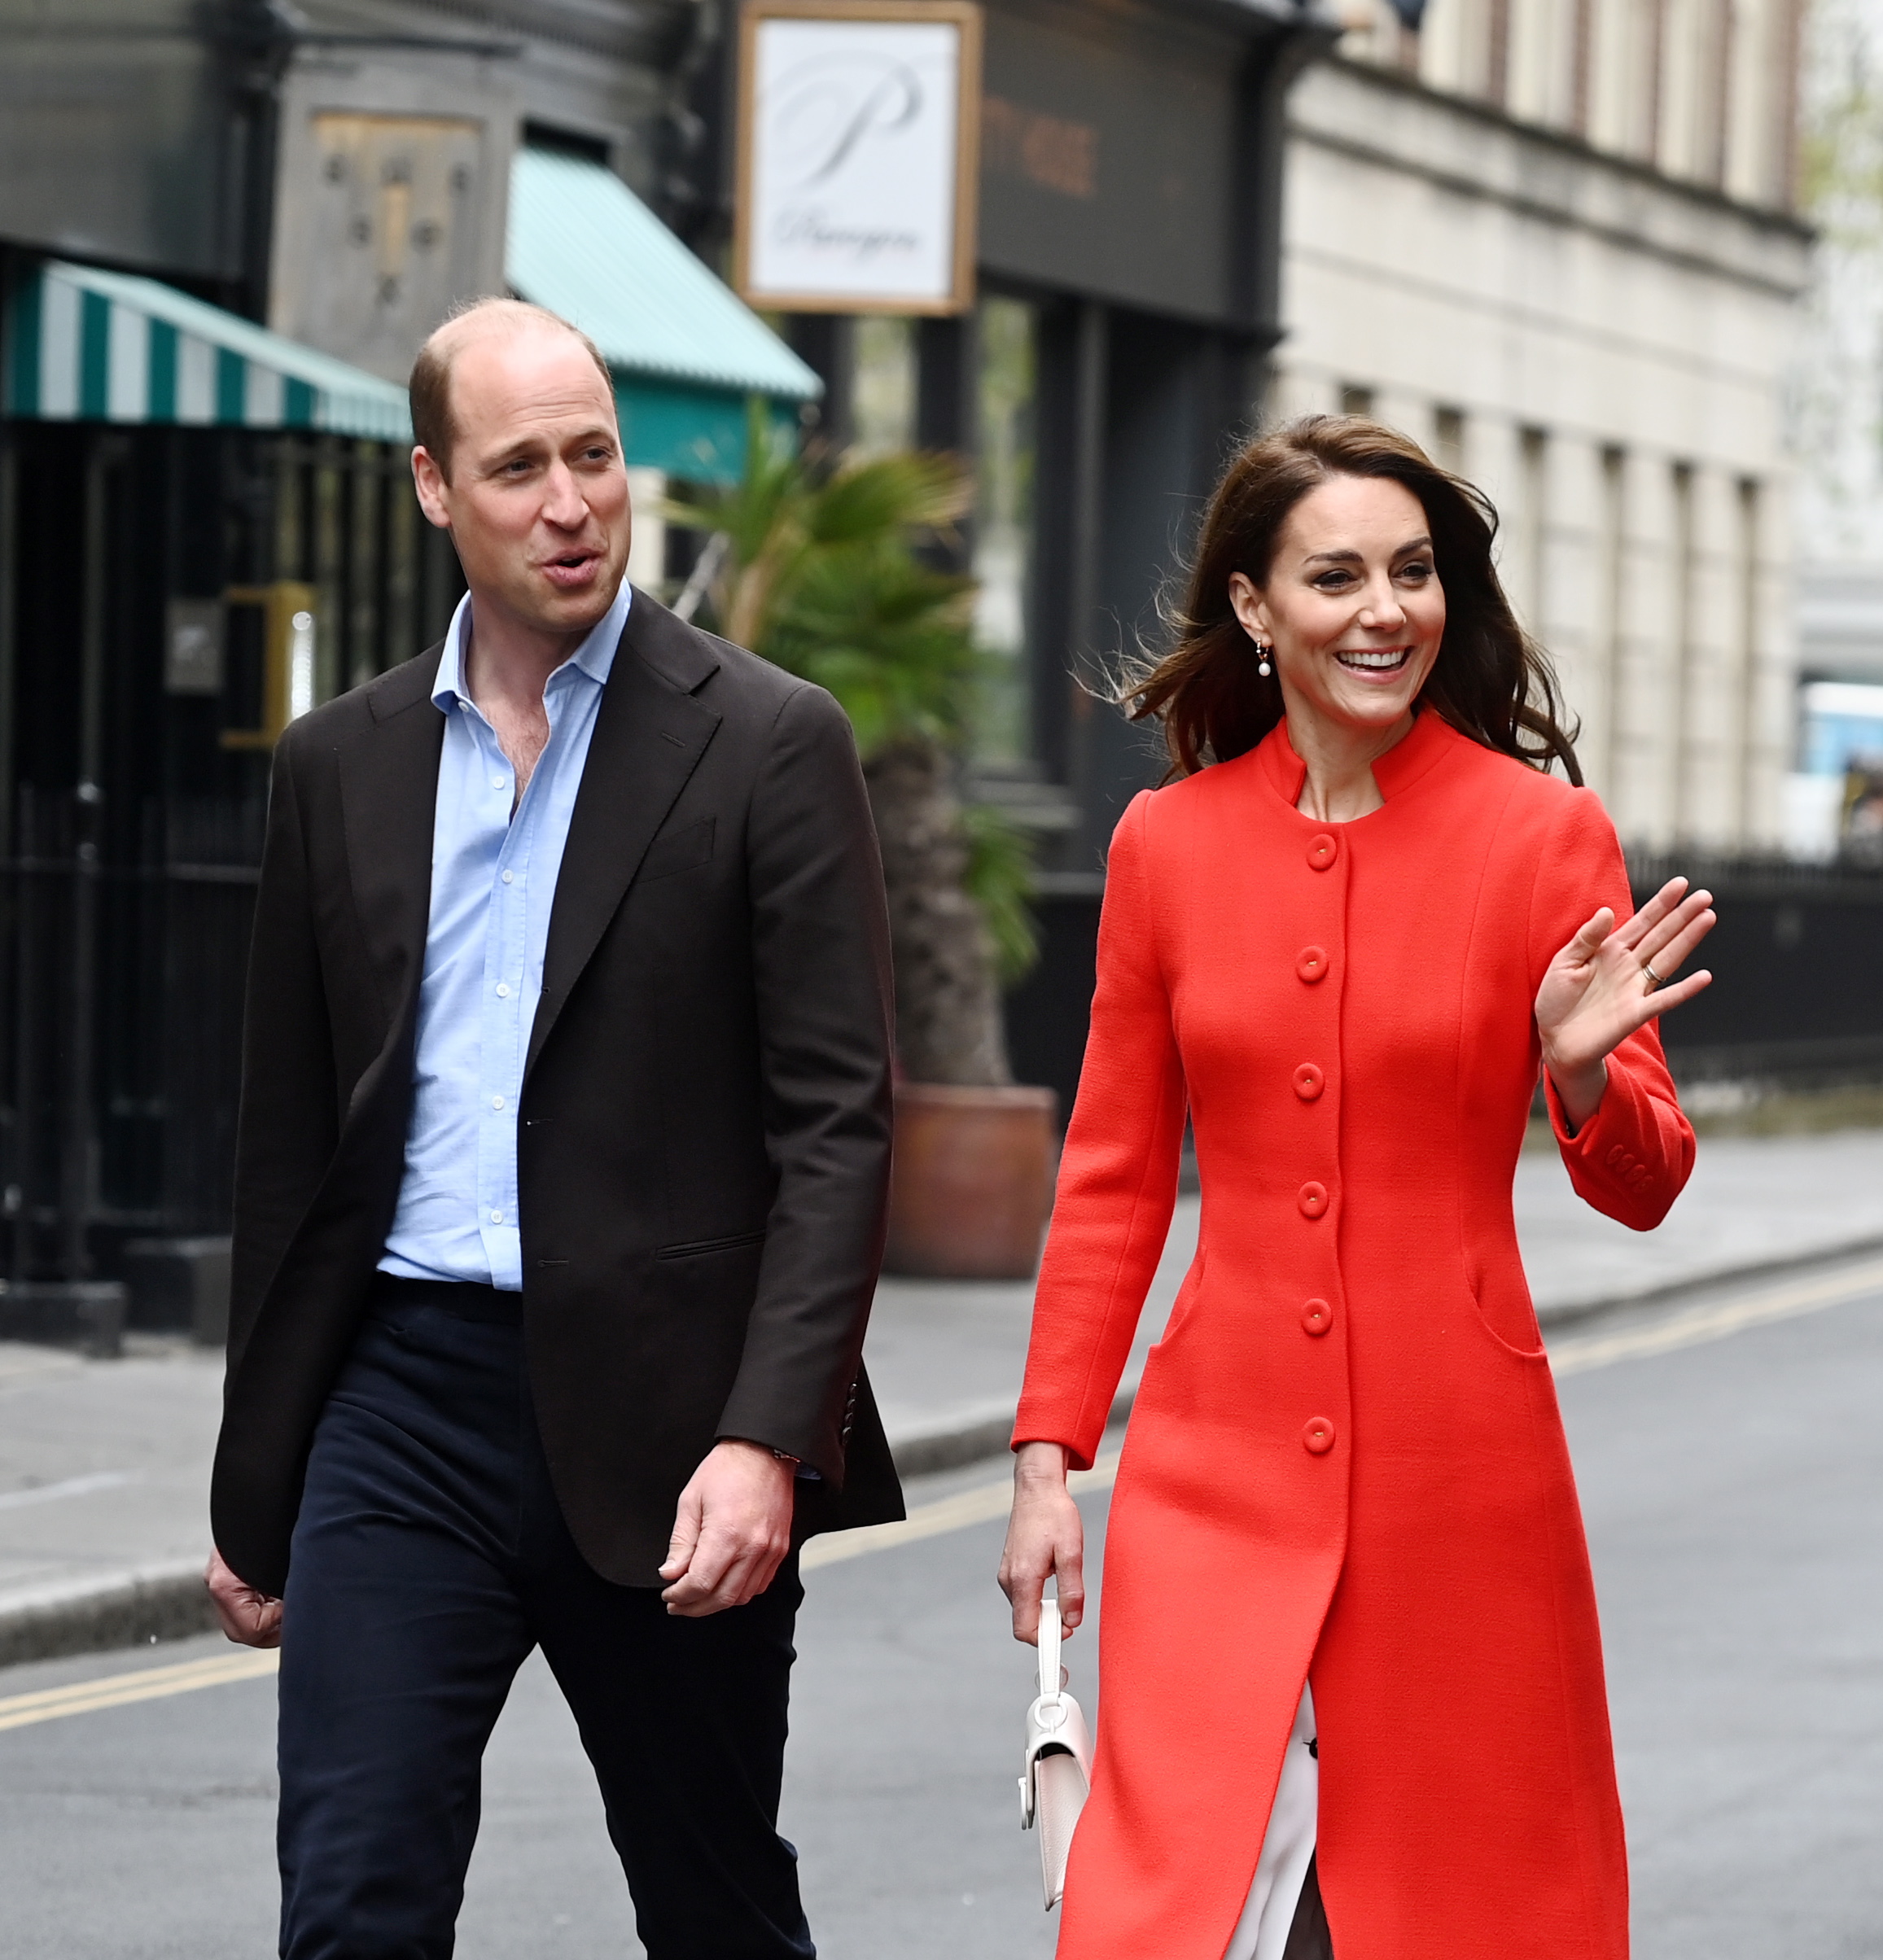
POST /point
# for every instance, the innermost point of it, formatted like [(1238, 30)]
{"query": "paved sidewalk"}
[(104, 1465), (946, 1358)]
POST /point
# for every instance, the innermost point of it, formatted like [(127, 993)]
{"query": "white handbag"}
[(1058, 1766)]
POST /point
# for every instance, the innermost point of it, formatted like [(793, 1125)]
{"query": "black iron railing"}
[(120, 1030)]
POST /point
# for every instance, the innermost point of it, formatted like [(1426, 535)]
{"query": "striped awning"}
[(91, 346)]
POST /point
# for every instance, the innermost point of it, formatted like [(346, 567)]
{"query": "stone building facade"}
[(1556, 241), (1836, 796)]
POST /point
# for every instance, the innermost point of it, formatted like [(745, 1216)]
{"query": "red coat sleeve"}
[(1632, 1159), (1117, 1175)]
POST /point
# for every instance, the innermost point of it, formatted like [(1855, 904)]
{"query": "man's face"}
[(537, 500)]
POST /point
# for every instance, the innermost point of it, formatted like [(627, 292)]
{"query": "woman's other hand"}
[(1045, 1539), (1610, 980)]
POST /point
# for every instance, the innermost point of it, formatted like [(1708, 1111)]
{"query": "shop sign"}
[(1109, 161), (858, 154)]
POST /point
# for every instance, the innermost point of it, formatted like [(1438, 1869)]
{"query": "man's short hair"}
[(429, 388)]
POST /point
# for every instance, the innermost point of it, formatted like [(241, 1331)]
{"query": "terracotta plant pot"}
[(972, 1184)]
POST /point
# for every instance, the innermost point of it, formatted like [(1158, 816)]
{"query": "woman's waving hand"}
[(1610, 980)]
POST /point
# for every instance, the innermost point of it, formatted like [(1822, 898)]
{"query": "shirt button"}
[(1317, 1316), (1312, 1200), (1322, 850), (510, 878), (1311, 965), (1309, 1081), (497, 782), (496, 1102), (1317, 1436), (497, 1218), (503, 989)]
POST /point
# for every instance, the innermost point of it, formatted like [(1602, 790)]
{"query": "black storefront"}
[(159, 584)]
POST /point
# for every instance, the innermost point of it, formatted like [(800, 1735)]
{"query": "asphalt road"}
[(1732, 1465)]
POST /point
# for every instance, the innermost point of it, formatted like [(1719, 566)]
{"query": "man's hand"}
[(253, 1618), (732, 1531)]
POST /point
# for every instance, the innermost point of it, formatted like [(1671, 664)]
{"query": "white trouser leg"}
[(1287, 1845)]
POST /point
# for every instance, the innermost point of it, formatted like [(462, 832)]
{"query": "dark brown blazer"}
[(703, 1133)]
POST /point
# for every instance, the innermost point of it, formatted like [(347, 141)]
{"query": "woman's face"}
[(1353, 606)]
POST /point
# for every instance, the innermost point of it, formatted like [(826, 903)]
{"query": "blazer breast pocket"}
[(686, 850)]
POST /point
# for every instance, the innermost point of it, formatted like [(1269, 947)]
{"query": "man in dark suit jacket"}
[(559, 1200)]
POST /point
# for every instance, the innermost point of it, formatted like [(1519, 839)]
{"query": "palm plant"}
[(822, 570)]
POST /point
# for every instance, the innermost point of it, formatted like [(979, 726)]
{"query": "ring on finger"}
[(1653, 978)]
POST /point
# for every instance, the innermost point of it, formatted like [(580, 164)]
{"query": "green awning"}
[(686, 351), (90, 346)]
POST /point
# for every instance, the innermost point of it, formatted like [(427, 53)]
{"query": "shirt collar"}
[(595, 657)]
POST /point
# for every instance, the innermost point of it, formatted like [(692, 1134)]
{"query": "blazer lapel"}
[(388, 796), (650, 734)]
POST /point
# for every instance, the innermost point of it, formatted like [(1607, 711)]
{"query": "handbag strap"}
[(1049, 1682)]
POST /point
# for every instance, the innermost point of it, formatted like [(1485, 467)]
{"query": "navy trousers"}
[(430, 1556)]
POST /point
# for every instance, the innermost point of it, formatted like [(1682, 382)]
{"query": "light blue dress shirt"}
[(493, 880)]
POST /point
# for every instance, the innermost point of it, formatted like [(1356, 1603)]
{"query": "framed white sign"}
[(858, 154)]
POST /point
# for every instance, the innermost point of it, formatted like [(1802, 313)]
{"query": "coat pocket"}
[(686, 850), (1503, 1305), (691, 1248)]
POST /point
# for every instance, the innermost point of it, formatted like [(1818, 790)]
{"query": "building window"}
[(1497, 52), (1449, 439), (1355, 398), (1532, 523), (1612, 547), (1750, 546), (882, 384), (1685, 546), (1007, 393)]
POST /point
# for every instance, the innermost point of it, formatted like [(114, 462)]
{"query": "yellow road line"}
[(983, 1504), (1578, 1353), (147, 1684)]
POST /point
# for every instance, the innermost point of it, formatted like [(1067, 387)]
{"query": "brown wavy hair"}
[(1491, 681)]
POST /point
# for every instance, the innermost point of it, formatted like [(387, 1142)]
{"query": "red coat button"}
[(1312, 1200), (1309, 1081), (1317, 1436), (1322, 850), (1311, 965), (1317, 1316)]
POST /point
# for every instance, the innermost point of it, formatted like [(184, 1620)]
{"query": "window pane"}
[(882, 404), (1003, 560)]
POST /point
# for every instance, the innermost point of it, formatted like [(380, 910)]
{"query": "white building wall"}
[(1615, 342)]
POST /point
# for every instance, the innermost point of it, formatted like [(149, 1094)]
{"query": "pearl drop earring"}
[(1262, 666)]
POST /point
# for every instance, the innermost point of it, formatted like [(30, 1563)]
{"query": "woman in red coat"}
[(1351, 1677)]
